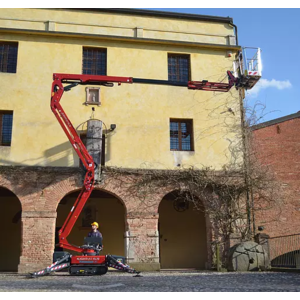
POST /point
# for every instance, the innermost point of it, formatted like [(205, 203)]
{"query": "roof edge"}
[(157, 13), (276, 121)]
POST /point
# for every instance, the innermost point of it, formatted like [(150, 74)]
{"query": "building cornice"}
[(119, 38)]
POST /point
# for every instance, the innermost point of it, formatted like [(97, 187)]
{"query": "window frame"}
[(5, 57), (5, 112), (94, 61), (190, 126), (188, 56)]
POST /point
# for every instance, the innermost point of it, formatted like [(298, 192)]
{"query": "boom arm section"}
[(214, 86), (56, 94)]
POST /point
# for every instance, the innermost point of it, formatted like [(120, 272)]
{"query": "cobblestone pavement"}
[(165, 281)]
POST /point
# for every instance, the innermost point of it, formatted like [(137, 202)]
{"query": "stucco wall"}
[(112, 24), (141, 112)]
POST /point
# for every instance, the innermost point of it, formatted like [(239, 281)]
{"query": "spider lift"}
[(89, 262)]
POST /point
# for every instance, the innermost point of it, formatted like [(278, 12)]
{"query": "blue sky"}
[(277, 33)]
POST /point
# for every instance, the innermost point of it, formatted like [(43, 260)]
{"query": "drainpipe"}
[(236, 33)]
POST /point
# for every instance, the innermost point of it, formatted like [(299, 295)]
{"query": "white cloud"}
[(265, 83)]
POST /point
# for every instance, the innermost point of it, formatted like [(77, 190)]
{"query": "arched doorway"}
[(182, 231), (102, 207), (10, 231)]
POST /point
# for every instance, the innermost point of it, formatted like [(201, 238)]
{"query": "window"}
[(8, 57), (94, 61), (6, 120), (179, 67), (181, 135)]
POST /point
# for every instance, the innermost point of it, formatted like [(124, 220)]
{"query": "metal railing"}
[(248, 63), (285, 251), (253, 64)]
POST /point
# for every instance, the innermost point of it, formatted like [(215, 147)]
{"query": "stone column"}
[(38, 238)]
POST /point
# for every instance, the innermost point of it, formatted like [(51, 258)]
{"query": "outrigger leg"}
[(60, 264), (113, 263)]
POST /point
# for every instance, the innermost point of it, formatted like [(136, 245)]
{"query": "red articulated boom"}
[(88, 162), (88, 185), (214, 86), (90, 262)]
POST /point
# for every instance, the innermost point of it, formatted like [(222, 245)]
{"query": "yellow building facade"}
[(138, 44)]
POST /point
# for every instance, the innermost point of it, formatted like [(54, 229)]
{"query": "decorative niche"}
[(92, 96)]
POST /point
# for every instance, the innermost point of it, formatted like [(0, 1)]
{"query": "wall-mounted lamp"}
[(260, 228), (113, 127)]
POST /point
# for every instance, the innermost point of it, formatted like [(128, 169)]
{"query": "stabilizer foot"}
[(60, 264), (113, 263)]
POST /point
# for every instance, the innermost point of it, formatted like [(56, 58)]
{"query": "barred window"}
[(8, 57), (179, 67), (6, 120), (94, 61), (181, 135)]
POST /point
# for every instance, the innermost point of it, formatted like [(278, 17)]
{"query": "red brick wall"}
[(40, 189), (278, 147)]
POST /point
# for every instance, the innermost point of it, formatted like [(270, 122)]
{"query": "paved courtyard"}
[(188, 281)]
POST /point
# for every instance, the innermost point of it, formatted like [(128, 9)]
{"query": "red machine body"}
[(83, 260)]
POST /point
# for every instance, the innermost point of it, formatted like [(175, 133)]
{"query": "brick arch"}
[(169, 190), (14, 190), (112, 230), (10, 214), (3, 187), (162, 193), (62, 189), (113, 194), (97, 189)]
